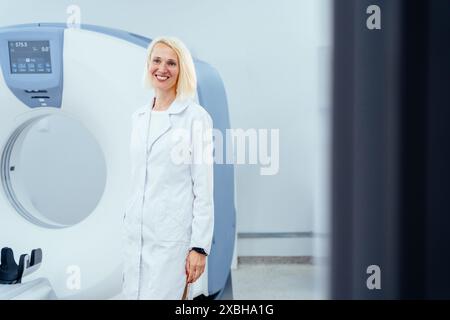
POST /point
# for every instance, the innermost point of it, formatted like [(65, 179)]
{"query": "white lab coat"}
[(171, 207)]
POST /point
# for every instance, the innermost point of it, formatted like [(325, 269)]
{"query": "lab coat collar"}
[(177, 106)]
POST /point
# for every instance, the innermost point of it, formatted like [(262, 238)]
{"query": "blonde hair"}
[(187, 80)]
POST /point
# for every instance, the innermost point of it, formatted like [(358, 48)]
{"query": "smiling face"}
[(163, 68)]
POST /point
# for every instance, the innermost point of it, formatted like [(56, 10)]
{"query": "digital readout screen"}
[(30, 56)]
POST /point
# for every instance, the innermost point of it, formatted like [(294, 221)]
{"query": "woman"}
[(169, 220)]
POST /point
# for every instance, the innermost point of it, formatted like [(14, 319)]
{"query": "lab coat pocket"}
[(173, 225)]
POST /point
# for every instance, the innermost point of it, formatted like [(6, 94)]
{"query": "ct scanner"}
[(66, 97)]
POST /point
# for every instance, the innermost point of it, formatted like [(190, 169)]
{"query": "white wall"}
[(267, 52)]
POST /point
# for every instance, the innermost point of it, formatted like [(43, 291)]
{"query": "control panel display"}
[(27, 57)]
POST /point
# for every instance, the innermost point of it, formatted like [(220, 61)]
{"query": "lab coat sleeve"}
[(202, 174)]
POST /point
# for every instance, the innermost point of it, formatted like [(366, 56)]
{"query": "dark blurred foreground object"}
[(391, 150), (11, 272)]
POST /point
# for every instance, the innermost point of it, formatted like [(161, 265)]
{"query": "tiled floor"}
[(274, 281)]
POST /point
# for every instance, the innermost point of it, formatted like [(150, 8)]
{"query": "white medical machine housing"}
[(66, 97)]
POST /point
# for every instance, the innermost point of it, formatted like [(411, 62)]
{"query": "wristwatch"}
[(200, 250)]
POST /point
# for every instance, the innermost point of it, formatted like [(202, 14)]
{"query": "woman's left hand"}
[(195, 265)]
